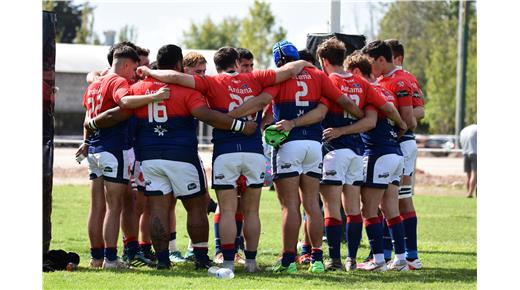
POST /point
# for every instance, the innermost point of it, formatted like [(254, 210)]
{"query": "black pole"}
[(461, 66)]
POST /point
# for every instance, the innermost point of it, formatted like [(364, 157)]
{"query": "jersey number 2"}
[(301, 93), (356, 100)]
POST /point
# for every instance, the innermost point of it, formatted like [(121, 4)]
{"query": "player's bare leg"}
[(227, 202), (198, 228), (472, 181), (309, 194), (390, 207), (114, 202), (95, 221), (288, 195), (351, 200), (160, 225), (250, 205), (331, 197), (371, 198)]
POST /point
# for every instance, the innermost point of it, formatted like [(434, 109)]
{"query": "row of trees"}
[(256, 32), (428, 31), (76, 23)]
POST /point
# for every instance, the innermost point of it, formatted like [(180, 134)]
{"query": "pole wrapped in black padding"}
[(352, 42)]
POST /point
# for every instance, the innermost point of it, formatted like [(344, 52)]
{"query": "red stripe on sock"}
[(239, 217), (408, 215), (393, 221), (216, 218), (314, 250), (144, 243), (227, 246), (130, 239), (354, 219), (332, 222), (372, 221)]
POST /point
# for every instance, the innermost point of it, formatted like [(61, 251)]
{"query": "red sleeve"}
[(119, 89), (202, 83), (85, 97), (328, 89), (272, 90), (403, 92), (266, 77), (374, 97), (417, 102), (326, 102), (195, 100)]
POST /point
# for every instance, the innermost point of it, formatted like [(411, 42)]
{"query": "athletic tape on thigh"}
[(405, 191)]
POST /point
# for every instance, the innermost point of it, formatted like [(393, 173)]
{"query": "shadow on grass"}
[(426, 275), (450, 253)]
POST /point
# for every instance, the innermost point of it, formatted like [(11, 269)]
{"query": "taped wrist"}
[(92, 125), (238, 125)]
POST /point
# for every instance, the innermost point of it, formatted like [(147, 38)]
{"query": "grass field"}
[(447, 248)]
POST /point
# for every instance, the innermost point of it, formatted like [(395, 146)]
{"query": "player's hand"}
[(285, 125), (82, 152), (331, 134), (162, 94), (249, 128), (402, 129), (143, 71)]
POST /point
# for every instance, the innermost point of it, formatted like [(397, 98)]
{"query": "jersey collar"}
[(231, 73), (343, 75), (392, 71)]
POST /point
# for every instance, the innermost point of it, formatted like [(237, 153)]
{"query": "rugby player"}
[(234, 154), (409, 148), (297, 162), (343, 150), (108, 155), (381, 186)]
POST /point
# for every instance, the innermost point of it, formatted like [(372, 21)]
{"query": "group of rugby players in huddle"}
[(349, 141)]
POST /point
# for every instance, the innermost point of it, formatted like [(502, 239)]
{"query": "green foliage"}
[(256, 32), (75, 23), (429, 34), (127, 33), (447, 248)]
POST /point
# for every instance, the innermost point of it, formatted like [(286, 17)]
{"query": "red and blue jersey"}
[(167, 129), (399, 84), (382, 139), (225, 92), (360, 92), (102, 95), (300, 95)]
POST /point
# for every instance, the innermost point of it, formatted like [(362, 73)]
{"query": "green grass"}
[(447, 247)]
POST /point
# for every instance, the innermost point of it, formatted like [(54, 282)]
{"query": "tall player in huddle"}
[(234, 154), (343, 151), (409, 148), (108, 154), (297, 162), (383, 166)]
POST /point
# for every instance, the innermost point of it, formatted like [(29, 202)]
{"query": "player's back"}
[(102, 95), (417, 96), (166, 129), (227, 91), (357, 89), (300, 95), (383, 138)]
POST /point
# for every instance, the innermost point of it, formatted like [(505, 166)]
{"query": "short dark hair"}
[(244, 53), (153, 65), (169, 56), (126, 52), (306, 55), (360, 61), (378, 48), (225, 57), (110, 55), (332, 50), (396, 47), (141, 51)]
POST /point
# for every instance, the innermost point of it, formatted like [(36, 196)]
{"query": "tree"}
[(127, 33), (74, 22), (212, 36), (257, 32), (429, 35)]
